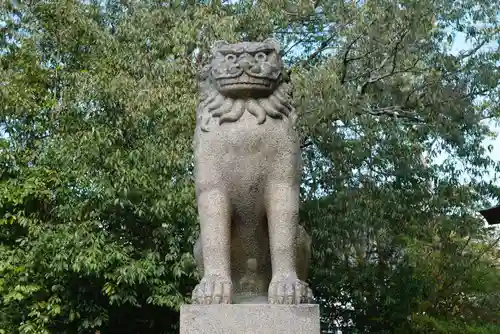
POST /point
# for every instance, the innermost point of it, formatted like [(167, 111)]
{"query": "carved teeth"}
[(244, 80), (245, 83), (236, 82)]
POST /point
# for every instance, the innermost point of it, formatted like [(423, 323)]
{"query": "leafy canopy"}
[(97, 209)]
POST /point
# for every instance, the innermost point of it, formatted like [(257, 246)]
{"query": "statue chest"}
[(246, 138), (244, 153)]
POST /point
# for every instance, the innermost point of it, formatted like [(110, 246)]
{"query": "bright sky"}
[(461, 44)]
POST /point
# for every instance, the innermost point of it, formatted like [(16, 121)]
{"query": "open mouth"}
[(244, 82)]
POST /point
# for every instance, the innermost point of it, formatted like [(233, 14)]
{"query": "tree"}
[(97, 202), (94, 145)]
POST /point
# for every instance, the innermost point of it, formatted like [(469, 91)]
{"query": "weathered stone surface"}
[(247, 177), (250, 318)]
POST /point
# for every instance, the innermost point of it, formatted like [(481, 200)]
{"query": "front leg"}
[(282, 208), (215, 223)]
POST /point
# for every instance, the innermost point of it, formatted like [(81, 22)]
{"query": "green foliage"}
[(97, 209)]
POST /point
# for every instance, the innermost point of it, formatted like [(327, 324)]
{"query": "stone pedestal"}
[(250, 318)]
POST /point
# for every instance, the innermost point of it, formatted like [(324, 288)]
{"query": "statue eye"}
[(230, 58), (260, 56)]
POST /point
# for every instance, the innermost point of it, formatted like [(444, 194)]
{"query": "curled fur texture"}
[(215, 105)]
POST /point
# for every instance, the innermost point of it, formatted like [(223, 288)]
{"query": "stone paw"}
[(213, 290), (289, 290), (310, 297)]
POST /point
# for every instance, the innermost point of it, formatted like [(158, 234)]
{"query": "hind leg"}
[(303, 257)]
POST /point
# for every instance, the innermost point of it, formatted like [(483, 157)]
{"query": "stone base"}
[(250, 318)]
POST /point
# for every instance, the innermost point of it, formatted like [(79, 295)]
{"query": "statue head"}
[(244, 77), (245, 70)]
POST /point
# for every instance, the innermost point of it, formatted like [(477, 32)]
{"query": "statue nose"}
[(235, 68), (245, 64)]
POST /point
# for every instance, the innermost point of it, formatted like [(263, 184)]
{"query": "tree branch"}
[(393, 111), (345, 60), (323, 45), (468, 53), (393, 56), (473, 262), (317, 52), (290, 48)]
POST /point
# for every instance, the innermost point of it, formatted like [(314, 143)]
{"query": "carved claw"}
[(212, 290), (310, 297), (289, 290)]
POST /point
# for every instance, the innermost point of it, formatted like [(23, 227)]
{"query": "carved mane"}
[(214, 104)]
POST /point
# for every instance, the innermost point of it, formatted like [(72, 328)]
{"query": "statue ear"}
[(204, 72), (273, 43)]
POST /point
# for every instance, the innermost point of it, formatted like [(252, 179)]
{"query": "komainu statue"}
[(247, 172)]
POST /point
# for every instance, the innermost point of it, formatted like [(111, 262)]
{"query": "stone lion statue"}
[(247, 173)]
